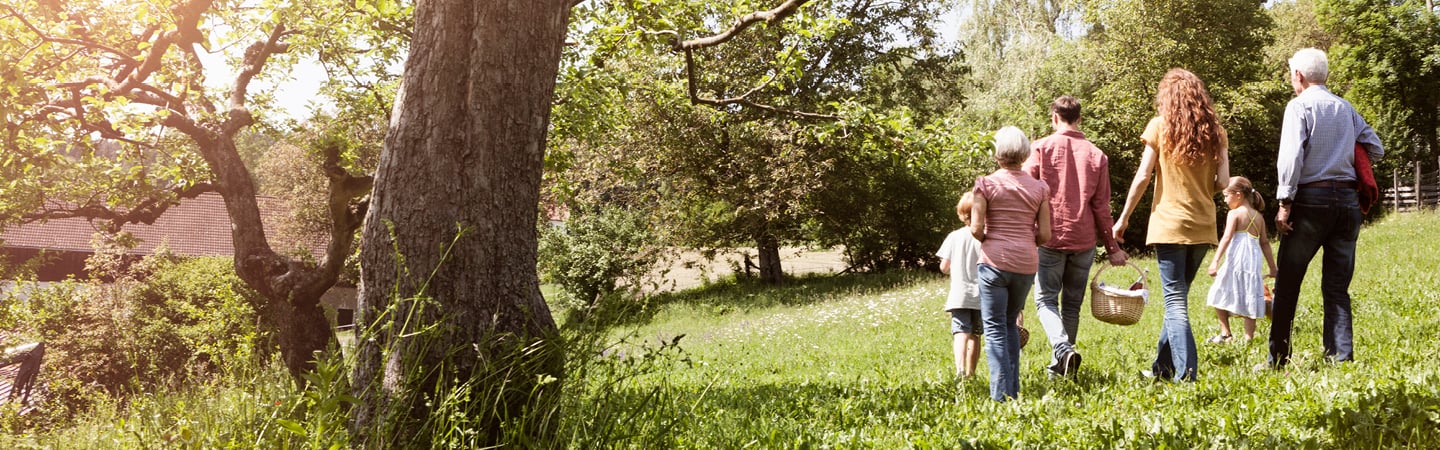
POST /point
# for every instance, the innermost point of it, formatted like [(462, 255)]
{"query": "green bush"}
[(599, 259), (165, 323), (208, 318)]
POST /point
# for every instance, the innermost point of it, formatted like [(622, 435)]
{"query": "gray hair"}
[(1311, 63), (1012, 148)]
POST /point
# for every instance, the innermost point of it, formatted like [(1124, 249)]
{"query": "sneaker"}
[(1070, 365)]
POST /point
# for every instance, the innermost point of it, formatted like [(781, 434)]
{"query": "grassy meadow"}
[(847, 362), (864, 361)]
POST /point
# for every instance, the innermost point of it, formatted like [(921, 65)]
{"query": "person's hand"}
[(1273, 273), (1119, 231), (1119, 258), (1282, 219), (1213, 269)]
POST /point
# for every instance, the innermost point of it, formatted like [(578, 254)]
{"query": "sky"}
[(296, 94)]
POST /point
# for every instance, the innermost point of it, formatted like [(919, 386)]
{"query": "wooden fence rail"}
[(1412, 192)]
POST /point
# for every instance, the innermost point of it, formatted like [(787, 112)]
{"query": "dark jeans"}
[(1002, 297), (1327, 218), (1176, 350)]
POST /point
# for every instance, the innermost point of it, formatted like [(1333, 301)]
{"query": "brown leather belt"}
[(1329, 184)]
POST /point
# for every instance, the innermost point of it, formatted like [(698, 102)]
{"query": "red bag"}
[(1365, 180)]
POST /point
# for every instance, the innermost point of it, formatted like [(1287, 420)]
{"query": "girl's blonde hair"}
[(1192, 132), (1252, 196)]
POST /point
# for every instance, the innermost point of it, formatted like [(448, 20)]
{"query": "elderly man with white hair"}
[(1010, 218), (1319, 204)]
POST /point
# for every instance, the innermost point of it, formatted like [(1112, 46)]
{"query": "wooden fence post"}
[(1419, 196), (1395, 183)]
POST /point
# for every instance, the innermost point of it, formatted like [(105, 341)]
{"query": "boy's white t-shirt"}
[(963, 251)]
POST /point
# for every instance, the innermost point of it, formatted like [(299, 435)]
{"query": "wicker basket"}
[(1269, 303), (1024, 337), (1111, 307)]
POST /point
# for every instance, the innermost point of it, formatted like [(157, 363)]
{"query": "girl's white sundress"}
[(1240, 283)]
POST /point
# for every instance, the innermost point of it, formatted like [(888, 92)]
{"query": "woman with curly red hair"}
[(1187, 154)]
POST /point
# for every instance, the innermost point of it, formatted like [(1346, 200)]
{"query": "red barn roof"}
[(195, 227)]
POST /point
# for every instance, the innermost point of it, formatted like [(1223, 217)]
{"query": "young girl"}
[(1239, 287)]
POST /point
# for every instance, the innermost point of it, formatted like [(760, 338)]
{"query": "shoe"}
[(1070, 364), (1148, 374), (1219, 339)]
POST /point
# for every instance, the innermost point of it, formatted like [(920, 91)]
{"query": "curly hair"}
[(1192, 130)]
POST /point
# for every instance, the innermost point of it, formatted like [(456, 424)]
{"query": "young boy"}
[(958, 257)]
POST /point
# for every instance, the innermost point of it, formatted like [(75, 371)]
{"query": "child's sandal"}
[(1219, 339)]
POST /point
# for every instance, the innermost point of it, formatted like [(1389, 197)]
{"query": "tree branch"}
[(186, 32), (778, 13), (124, 57), (145, 212), (254, 61), (689, 46), (345, 218), (743, 99)]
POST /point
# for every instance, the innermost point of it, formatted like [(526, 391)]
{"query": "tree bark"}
[(770, 270), (449, 292), (292, 287)]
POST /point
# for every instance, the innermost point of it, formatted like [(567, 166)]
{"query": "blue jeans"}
[(1326, 218), (1002, 297), (1059, 295), (1176, 350)]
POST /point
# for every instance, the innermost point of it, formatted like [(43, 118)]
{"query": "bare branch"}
[(254, 61), (776, 14), (689, 46), (742, 100), (203, 138)]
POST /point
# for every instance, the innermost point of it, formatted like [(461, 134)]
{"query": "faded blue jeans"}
[(1176, 356), (1002, 297), (1059, 294), (1327, 218)]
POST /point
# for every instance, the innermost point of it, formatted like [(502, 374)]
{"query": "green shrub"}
[(600, 260), (165, 323)]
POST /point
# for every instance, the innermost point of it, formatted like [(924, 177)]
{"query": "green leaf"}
[(292, 426)]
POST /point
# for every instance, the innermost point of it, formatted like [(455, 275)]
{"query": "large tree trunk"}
[(440, 313), (770, 270)]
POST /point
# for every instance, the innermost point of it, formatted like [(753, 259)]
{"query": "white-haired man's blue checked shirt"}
[(1317, 141)]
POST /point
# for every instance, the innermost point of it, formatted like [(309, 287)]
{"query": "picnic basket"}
[(1118, 306)]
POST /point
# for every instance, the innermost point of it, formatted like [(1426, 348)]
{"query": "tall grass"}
[(863, 361)]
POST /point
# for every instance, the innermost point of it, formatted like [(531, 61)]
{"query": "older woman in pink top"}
[(1011, 219)]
